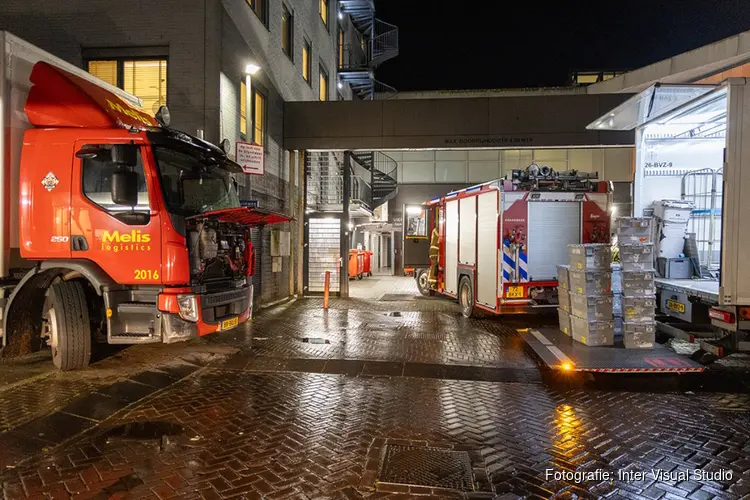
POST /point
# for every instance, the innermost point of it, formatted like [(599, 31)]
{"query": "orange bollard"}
[(325, 290)]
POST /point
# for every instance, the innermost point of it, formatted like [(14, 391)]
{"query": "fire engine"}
[(501, 241)]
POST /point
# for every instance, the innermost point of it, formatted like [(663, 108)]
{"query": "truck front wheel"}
[(423, 281), (466, 297), (66, 325)]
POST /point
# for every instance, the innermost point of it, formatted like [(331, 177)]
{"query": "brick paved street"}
[(305, 404)]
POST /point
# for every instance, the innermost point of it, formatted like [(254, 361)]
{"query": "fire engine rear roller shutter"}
[(552, 227)]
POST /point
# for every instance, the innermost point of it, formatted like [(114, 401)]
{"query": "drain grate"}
[(396, 297), (422, 466)]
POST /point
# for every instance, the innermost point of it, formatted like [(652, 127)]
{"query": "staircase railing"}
[(325, 183), (382, 91), (384, 40), (385, 164)]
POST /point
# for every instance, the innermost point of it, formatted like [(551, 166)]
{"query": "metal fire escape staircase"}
[(373, 181), (377, 42)]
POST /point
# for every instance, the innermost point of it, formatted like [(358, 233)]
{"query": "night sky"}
[(462, 44)]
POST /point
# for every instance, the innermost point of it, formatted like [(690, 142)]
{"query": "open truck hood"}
[(246, 216)]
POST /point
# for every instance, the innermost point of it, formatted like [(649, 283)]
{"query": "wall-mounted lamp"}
[(251, 69)]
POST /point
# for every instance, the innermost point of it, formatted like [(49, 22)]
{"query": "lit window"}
[(259, 117), (243, 108), (306, 65), (104, 70), (145, 79), (323, 84), (259, 7), (287, 31), (324, 11), (341, 49)]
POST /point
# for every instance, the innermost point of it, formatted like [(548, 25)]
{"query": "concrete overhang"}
[(687, 67), (501, 122)]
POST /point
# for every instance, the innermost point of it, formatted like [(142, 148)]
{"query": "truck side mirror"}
[(125, 154), (125, 188)]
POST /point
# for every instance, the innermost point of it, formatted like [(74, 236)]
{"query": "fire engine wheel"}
[(66, 325), (423, 282), (466, 297)]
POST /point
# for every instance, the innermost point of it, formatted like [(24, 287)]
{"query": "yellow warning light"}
[(567, 366), (109, 313)]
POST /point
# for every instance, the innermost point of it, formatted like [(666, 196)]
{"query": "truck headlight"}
[(188, 307)]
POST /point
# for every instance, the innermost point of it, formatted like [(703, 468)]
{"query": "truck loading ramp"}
[(560, 352)]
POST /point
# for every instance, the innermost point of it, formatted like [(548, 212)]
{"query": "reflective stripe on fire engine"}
[(509, 264)]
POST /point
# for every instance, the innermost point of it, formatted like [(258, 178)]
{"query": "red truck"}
[(500, 242), (115, 227)]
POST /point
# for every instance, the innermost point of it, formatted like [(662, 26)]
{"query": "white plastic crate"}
[(638, 283), (592, 333), (617, 305), (616, 278), (638, 335), (638, 309), (634, 229), (592, 308), (563, 300), (636, 257), (590, 282), (564, 319), (563, 281), (594, 256)]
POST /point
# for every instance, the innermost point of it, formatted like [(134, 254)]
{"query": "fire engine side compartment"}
[(487, 248), (451, 247)]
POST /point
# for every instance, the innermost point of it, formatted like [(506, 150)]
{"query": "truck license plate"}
[(673, 305), (230, 323), (514, 292)]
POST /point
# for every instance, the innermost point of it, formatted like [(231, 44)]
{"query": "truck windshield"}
[(191, 186)]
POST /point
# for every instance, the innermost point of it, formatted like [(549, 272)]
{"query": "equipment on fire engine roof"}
[(544, 178)]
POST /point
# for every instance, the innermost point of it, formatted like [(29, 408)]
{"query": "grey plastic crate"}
[(563, 300), (616, 278), (564, 319), (592, 333), (639, 335), (594, 256), (590, 282), (638, 309), (563, 281), (636, 256), (638, 283), (634, 229), (592, 308), (617, 305)]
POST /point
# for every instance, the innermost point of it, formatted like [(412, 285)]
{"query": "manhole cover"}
[(396, 297), (427, 467)]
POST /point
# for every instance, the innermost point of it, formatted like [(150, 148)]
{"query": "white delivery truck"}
[(693, 162)]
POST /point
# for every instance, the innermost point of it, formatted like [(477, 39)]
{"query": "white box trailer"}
[(693, 144)]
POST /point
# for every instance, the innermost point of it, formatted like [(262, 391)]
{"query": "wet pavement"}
[(359, 402)]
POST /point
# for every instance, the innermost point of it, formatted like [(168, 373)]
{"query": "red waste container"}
[(356, 263), (367, 266)]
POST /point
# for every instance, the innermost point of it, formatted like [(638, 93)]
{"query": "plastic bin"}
[(638, 309), (356, 264), (616, 278), (634, 229), (593, 256), (564, 318), (638, 284), (563, 280), (367, 263), (592, 333), (592, 308), (590, 282), (636, 257), (639, 335), (563, 300), (617, 305)]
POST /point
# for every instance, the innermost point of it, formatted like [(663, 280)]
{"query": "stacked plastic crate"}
[(563, 298), (590, 282), (636, 250)]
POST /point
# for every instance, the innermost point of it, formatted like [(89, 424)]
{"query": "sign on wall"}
[(250, 157)]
